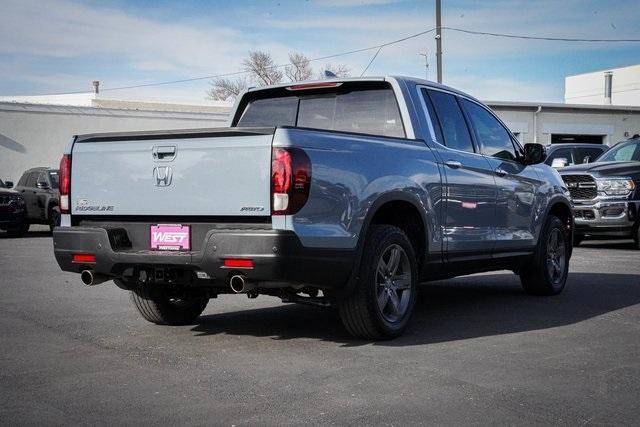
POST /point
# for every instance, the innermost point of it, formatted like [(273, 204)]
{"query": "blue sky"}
[(62, 45)]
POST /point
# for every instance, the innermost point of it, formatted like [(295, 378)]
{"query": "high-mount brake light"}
[(307, 86), (65, 183), (290, 180)]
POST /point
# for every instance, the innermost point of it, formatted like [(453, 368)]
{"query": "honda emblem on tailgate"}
[(162, 175)]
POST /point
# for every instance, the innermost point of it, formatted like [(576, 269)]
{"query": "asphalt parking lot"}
[(478, 351)]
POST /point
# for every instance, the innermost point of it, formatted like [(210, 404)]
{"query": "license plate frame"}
[(170, 237)]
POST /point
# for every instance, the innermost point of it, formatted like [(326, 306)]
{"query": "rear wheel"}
[(385, 292), (54, 218), (156, 304), (547, 274)]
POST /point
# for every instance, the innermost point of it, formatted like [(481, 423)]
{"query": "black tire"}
[(577, 239), (155, 305), (361, 311), (548, 271), (54, 218), (18, 231)]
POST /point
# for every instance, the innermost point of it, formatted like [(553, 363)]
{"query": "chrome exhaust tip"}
[(239, 284), (91, 278)]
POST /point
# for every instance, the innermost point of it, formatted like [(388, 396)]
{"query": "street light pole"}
[(439, 39)]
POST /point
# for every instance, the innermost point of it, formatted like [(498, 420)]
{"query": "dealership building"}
[(599, 108)]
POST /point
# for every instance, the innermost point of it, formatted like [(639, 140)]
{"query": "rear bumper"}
[(606, 217), (277, 255)]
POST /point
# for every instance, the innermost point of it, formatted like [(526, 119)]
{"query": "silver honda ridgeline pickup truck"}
[(343, 192)]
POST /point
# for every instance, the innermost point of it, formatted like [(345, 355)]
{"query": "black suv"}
[(12, 210), (39, 187)]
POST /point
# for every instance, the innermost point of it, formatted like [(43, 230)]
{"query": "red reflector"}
[(238, 263), (80, 258), (313, 86)]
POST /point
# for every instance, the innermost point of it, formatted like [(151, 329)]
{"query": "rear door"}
[(470, 192), (214, 173), (516, 184)]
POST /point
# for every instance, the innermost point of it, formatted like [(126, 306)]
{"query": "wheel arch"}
[(414, 215)]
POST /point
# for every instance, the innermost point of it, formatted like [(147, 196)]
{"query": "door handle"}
[(453, 164), (500, 172)]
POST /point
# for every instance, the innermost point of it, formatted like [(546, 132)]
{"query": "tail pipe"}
[(91, 278), (239, 284)]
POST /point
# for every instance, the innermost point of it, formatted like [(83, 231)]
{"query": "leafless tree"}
[(226, 89), (299, 69), (340, 70), (262, 69)]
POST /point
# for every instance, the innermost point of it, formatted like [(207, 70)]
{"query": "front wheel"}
[(385, 292), (547, 273), (18, 231), (156, 305)]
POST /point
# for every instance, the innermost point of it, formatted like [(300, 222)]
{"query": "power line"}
[(351, 52), (370, 62), (236, 73), (561, 39)]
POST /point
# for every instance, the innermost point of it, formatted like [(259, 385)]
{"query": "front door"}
[(516, 184)]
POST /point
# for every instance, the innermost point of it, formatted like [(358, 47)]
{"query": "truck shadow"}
[(457, 309)]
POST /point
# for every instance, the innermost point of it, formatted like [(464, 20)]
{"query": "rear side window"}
[(366, 111), (493, 137), (454, 128)]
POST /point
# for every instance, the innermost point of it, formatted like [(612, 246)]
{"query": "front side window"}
[(455, 132), (32, 179), (563, 155), (371, 111), (622, 153), (493, 137)]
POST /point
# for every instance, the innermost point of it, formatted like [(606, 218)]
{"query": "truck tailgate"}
[(195, 173)]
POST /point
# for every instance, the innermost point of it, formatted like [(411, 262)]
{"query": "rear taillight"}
[(65, 183), (290, 180)]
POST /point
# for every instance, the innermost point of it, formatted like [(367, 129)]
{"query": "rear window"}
[(368, 111)]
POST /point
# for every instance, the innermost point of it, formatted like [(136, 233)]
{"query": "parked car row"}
[(606, 194), (35, 200)]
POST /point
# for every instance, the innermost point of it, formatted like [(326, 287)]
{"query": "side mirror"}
[(8, 184), (42, 185), (534, 154), (559, 162)]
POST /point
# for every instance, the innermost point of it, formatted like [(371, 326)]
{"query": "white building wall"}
[(615, 125), (589, 88), (36, 135)]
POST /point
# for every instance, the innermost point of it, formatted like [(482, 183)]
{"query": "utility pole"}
[(439, 39), (426, 63)]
